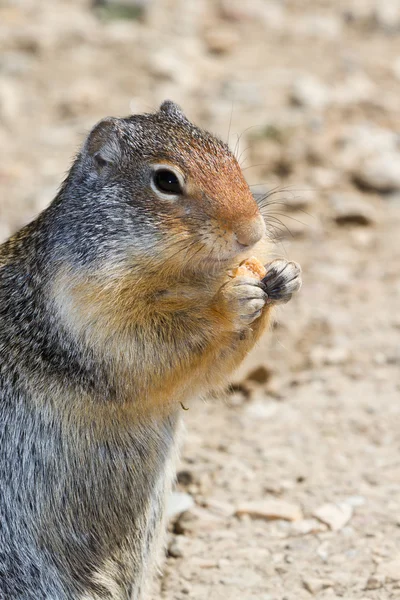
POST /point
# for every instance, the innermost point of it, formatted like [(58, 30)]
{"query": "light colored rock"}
[(338, 355), (176, 548), (351, 209), (9, 102), (355, 501), (325, 178), (315, 585), (221, 40), (308, 92), (317, 26), (168, 66), (307, 526), (177, 503), (199, 519), (387, 15), (356, 88), (298, 200), (375, 582), (362, 142), (390, 570), (225, 509), (396, 68), (380, 173), (261, 409), (334, 515), (270, 510)]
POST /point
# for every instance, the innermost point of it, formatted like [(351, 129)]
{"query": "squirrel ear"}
[(170, 108), (103, 145)]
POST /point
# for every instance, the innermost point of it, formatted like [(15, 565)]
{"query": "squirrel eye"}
[(167, 182)]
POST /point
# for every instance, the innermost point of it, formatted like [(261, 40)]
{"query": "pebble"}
[(380, 173), (387, 16), (355, 89), (260, 409), (260, 374), (221, 40), (375, 582), (396, 68), (315, 585), (308, 92), (177, 503), (198, 519), (299, 200), (338, 355), (318, 26), (9, 102), (225, 509), (390, 570), (270, 510), (355, 501), (334, 515), (176, 547), (325, 178), (349, 209), (307, 526)]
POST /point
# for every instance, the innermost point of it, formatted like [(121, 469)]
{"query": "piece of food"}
[(250, 267)]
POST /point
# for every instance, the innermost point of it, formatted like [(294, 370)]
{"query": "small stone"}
[(314, 585), (351, 210), (390, 570), (318, 26), (387, 16), (337, 355), (375, 582), (356, 88), (355, 501), (221, 40), (225, 509), (380, 173), (334, 515), (175, 548), (9, 102), (121, 9), (307, 526), (260, 374), (304, 198), (261, 409), (325, 178), (185, 477), (198, 519), (177, 503), (309, 92), (396, 68), (270, 510)]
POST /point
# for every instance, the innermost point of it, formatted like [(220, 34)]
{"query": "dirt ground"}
[(291, 480)]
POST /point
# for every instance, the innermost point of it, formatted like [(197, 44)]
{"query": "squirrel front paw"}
[(245, 298), (282, 280)]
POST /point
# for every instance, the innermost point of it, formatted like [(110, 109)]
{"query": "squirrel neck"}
[(89, 328)]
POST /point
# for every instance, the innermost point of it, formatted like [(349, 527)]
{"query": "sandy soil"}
[(310, 430)]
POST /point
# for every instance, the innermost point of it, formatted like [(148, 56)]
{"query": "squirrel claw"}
[(282, 280)]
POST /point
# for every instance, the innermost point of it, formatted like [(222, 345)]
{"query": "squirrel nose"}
[(250, 232)]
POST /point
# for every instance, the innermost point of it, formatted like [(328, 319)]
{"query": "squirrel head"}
[(162, 191)]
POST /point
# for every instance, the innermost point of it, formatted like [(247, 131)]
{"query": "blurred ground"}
[(312, 88)]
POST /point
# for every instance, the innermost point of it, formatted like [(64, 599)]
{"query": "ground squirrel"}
[(117, 304)]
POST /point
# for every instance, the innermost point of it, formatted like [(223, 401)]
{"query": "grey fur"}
[(83, 467), (70, 502)]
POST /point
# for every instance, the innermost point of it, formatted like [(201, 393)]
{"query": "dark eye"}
[(167, 182)]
